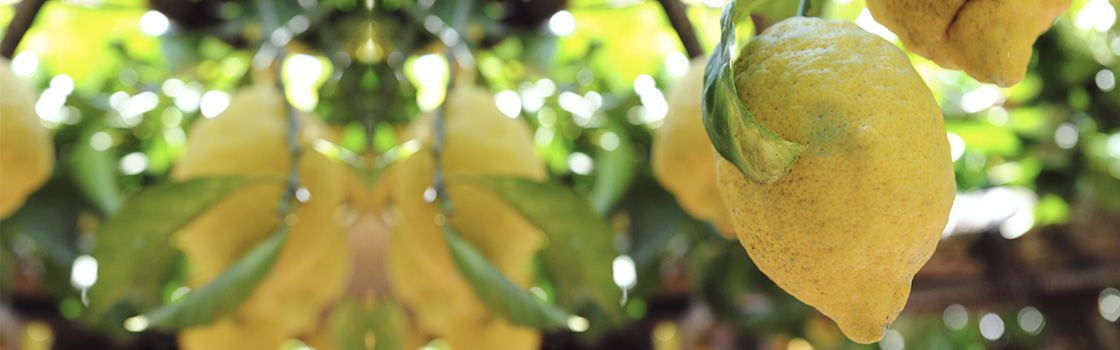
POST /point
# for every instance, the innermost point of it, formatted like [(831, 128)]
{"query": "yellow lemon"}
[(249, 139), (479, 140), (990, 40), (233, 333), (485, 332), (681, 154), (26, 151), (863, 206)]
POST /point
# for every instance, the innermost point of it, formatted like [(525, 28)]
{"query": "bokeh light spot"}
[(991, 326)]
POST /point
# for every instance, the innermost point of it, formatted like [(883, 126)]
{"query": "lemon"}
[(485, 332), (990, 40), (479, 140), (863, 207), (682, 157), (26, 150), (249, 139), (234, 333)]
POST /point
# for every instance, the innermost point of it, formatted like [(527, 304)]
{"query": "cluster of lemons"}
[(845, 230), (394, 227), (311, 270), (864, 205)]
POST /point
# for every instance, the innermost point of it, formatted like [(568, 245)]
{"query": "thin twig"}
[(269, 21), (458, 24), (674, 9), (21, 21)]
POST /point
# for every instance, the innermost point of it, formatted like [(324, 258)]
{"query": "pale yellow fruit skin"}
[(682, 157), (26, 150), (233, 333), (487, 332), (479, 140), (864, 205), (249, 139), (989, 39)]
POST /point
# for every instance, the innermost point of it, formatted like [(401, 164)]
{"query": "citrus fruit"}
[(990, 40), (234, 333), (863, 207), (26, 150), (479, 140), (681, 153), (249, 139)]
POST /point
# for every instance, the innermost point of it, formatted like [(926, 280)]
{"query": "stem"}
[(268, 20), (674, 9), (803, 8), (21, 21), (459, 24)]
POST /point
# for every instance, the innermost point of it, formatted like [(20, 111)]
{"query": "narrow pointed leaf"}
[(614, 173), (353, 320), (224, 293), (133, 248), (760, 154), (580, 241), (502, 296), (95, 173)]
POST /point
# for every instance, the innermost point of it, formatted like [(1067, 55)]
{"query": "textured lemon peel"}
[(863, 207), (989, 40)]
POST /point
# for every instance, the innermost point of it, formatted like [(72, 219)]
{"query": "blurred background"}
[(1030, 258)]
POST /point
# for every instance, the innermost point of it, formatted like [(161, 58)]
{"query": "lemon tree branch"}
[(458, 26), (269, 21), (21, 21), (675, 10)]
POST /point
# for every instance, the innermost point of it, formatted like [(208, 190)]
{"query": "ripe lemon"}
[(479, 140), (862, 208), (26, 151), (682, 156), (990, 40), (485, 332), (234, 333), (249, 139)]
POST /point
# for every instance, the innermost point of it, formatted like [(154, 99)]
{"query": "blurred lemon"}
[(234, 333), (26, 150), (486, 332), (249, 139), (864, 205), (682, 156), (479, 140), (990, 40)]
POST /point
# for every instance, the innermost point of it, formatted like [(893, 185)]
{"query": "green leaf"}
[(985, 138), (581, 243), (226, 292), (615, 172), (760, 154), (133, 250), (95, 173), (502, 296), (352, 321)]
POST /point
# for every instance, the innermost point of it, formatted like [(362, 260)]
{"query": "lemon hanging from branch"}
[(863, 205), (990, 40)]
